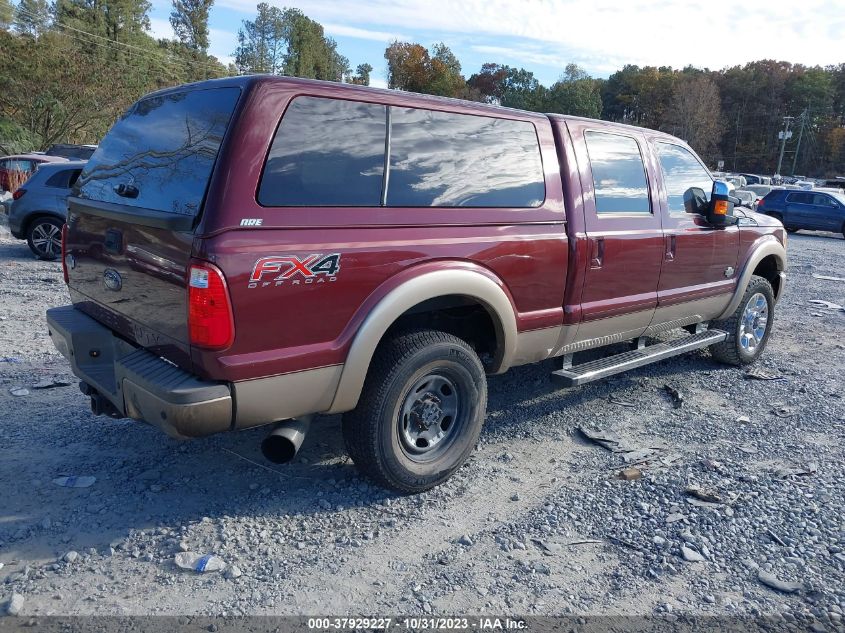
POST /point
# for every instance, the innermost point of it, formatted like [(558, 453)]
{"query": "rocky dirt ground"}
[(538, 522)]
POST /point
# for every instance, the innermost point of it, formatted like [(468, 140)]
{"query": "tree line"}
[(69, 68)]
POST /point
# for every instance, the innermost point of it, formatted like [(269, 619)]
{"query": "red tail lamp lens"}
[(210, 321)]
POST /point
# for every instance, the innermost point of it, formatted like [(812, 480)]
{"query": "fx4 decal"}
[(277, 270)]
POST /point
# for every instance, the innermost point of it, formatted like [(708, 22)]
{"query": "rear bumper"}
[(137, 383)]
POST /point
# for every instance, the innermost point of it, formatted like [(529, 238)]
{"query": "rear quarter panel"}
[(296, 326)]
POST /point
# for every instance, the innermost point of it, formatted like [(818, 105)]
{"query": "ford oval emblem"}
[(112, 279)]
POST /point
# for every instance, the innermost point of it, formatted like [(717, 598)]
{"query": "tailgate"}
[(131, 220)]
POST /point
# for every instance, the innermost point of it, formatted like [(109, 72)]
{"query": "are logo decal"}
[(278, 270)]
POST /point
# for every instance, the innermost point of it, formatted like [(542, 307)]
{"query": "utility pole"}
[(786, 121), (798, 145)]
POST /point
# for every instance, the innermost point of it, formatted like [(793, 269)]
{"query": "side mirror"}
[(695, 201), (720, 210)]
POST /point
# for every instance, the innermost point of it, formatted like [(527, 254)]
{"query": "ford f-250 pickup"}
[(257, 250)]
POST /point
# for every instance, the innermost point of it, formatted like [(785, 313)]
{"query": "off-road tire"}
[(730, 351), (49, 228), (373, 431)]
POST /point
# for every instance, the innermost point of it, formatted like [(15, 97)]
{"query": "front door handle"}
[(671, 245), (597, 257)]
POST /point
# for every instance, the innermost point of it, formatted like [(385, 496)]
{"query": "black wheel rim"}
[(431, 416)]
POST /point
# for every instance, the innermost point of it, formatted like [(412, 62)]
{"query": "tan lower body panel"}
[(538, 345), (180, 421), (688, 313), (265, 400)]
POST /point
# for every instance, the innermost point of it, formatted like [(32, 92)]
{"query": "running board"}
[(603, 367)]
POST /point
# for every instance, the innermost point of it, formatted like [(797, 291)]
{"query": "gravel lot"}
[(537, 523)]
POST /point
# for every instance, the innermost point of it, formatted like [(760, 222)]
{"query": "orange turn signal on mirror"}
[(720, 207)]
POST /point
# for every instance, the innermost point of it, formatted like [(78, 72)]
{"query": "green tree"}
[(309, 53), (261, 42), (362, 75), (7, 14), (32, 17), (189, 19), (574, 93), (125, 21)]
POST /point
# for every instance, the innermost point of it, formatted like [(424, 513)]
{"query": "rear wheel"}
[(748, 327), (420, 412), (44, 237)]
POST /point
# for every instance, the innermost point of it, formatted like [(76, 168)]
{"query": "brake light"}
[(760, 203), (64, 253), (210, 320), (18, 194)]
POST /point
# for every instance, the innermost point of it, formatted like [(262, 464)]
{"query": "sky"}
[(543, 36)]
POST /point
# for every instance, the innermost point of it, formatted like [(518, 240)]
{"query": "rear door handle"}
[(671, 244), (597, 257)]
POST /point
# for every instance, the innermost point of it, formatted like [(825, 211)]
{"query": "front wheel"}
[(748, 327), (420, 412), (44, 237)]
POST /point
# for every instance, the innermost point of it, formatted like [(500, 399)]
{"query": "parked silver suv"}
[(39, 207)]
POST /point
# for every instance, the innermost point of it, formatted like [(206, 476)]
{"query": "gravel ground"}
[(538, 522)]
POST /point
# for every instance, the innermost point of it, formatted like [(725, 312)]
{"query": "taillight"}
[(760, 203), (18, 194), (64, 253), (210, 321)]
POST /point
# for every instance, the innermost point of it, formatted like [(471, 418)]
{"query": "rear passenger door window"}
[(443, 159), (59, 180), (619, 178), (800, 198), (681, 172), (327, 152)]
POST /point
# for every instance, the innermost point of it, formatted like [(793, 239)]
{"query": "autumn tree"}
[(696, 113), (511, 87), (413, 68)]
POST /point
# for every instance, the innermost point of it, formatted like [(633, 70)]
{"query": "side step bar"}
[(603, 367)]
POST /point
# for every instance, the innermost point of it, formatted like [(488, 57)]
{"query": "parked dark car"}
[(38, 209), (70, 151), (814, 210), (14, 170), (259, 249)]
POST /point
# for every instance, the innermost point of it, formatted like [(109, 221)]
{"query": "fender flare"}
[(766, 246), (430, 285)]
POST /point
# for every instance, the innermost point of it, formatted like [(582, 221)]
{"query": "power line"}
[(141, 51)]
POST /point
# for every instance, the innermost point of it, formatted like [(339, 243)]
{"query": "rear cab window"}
[(330, 152), (161, 153)]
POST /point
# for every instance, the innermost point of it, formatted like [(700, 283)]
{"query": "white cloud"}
[(608, 33), (363, 34), (378, 83)]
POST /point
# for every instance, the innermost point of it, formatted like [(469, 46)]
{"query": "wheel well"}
[(36, 215), (460, 316), (768, 269)]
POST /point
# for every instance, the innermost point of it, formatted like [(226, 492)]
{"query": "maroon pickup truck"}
[(257, 250)]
